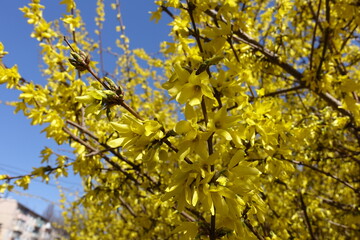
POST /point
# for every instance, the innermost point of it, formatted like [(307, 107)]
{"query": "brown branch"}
[(302, 103), (241, 36), (229, 40), (347, 38), (196, 213), (340, 66), (73, 32), (126, 44), (127, 206), (169, 144), (314, 34), (323, 172), (249, 225), (82, 129), (129, 109), (79, 140), (119, 100), (107, 148), (107, 159), (101, 53), (307, 219), (284, 91), (165, 9), (344, 226), (48, 169), (326, 39), (338, 205), (191, 7), (187, 216)]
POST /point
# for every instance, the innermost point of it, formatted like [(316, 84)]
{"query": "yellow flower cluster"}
[(251, 131)]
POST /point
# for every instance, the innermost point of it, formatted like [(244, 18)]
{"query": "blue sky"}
[(20, 142)]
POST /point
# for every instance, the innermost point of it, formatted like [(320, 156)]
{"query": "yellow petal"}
[(245, 170), (182, 127), (121, 128), (115, 142)]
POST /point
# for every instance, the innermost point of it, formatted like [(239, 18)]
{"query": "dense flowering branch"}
[(223, 143)]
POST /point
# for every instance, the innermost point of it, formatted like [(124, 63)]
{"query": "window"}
[(24, 210), (47, 233), (20, 223), (36, 230), (16, 235)]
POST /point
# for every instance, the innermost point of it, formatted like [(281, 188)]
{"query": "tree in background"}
[(52, 215), (49, 212), (56, 219), (259, 141)]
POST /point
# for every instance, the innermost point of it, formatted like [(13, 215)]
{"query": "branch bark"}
[(307, 219), (325, 173)]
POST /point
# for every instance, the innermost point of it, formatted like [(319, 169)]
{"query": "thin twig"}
[(249, 225), (120, 100), (229, 40), (48, 169), (326, 39), (338, 205), (348, 38), (169, 144), (307, 219), (190, 9), (274, 58), (302, 103), (73, 32), (107, 159), (107, 148), (344, 226), (101, 53), (284, 91), (127, 206), (314, 34), (125, 43), (323, 172)]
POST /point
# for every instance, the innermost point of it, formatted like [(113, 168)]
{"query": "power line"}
[(35, 196)]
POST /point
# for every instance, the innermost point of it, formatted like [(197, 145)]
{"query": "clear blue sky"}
[(20, 142)]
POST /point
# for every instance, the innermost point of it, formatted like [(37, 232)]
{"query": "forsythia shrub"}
[(259, 141)]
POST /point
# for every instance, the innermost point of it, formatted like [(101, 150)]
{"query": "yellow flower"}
[(73, 22), (220, 123), (196, 87), (70, 4), (134, 133), (43, 30)]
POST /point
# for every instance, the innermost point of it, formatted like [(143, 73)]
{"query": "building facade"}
[(18, 222)]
